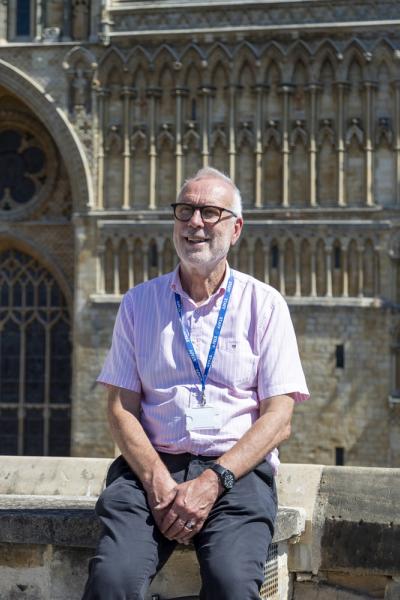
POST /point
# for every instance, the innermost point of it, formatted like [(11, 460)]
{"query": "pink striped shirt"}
[(256, 358)]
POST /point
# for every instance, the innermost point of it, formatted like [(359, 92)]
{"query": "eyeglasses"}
[(209, 214)]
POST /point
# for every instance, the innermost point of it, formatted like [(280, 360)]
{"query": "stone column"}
[(297, 270), (258, 90), (345, 283), (313, 271), (341, 87), (232, 131), (312, 89), (266, 260), (281, 265), (116, 282), (101, 267), (328, 258), (369, 161), (206, 92), (131, 263), (152, 94), (145, 260), (396, 144), (38, 20), (160, 244), (101, 93), (285, 90), (4, 20), (360, 250), (377, 286), (127, 94), (179, 94)]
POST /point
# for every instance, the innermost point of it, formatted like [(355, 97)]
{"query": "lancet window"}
[(35, 359)]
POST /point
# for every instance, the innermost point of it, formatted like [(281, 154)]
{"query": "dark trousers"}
[(231, 547)]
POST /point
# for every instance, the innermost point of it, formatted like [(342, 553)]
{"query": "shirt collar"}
[(176, 285)]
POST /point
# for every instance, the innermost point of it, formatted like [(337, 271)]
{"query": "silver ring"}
[(190, 524)]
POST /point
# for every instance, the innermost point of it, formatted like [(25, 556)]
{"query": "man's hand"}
[(192, 503), (160, 496)]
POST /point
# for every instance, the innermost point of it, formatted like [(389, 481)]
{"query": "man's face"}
[(203, 245)]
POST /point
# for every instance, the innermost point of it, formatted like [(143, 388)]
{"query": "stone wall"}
[(299, 103), (329, 519)]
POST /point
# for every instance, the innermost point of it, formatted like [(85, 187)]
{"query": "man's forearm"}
[(270, 430), (135, 446)]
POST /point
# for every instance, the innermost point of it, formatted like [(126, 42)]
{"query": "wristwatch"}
[(226, 476)]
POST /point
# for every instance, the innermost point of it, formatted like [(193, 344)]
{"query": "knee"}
[(114, 580), (228, 582)]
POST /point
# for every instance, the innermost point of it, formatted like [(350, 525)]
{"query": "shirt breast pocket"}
[(234, 364)]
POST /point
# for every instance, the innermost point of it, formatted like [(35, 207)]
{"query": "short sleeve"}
[(120, 367), (280, 370)]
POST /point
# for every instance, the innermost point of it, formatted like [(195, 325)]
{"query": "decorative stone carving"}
[(165, 137), (139, 137), (113, 140), (326, 132), (218, 135), (245, 135), (272, 134), (354, 131), (383, 131), (191, 138), (80, 90), (298, 133)]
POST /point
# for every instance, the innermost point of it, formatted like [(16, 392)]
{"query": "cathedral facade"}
[(107, 106)]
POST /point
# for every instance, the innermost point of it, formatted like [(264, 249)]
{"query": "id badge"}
[(203, 417)]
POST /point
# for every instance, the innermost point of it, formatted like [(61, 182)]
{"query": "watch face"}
[(228, 480)]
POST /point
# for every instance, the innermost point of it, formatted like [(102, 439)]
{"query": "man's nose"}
[(195, 219)]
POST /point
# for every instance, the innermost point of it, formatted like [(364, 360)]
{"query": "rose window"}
[(22, 168)]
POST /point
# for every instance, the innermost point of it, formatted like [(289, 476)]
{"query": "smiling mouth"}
[(196, 240)]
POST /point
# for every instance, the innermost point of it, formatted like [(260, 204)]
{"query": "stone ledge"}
[(71, 521)]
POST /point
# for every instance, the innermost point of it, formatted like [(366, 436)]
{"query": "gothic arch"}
[(28, 246), (38, 343), (111, 59), (57, 124), (138, 56)]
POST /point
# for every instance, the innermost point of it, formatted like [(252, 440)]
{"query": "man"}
[(203, 374)]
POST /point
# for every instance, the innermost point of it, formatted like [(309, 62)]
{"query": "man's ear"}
[(237, 230)]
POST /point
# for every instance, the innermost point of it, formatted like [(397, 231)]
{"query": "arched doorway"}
[(35, 359)]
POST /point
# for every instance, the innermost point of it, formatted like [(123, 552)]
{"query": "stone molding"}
[(162, 17)]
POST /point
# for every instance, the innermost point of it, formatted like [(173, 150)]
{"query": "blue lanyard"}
[(217, 330)]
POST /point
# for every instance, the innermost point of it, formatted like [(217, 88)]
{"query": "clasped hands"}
[(181, 509)]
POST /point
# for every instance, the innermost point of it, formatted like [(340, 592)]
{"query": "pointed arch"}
[(54, 120), (111, 59), (138, 55), (35, 358), (192, 52)]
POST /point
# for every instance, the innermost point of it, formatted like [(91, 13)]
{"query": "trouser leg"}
[(233, 545), (131, 549)]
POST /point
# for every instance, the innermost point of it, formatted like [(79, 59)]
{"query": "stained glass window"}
[(35, 359)]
